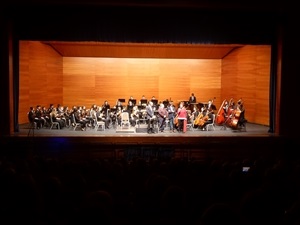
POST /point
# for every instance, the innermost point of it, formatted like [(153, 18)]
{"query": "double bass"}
[(220, 119)]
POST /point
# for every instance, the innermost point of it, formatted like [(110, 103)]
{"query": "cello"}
[(176, 120), (198, 118), (236, 115)]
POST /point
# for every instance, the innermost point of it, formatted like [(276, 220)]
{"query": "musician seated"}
[(135, 115), (104, 116), (130, 106), (207, 119), (241, 118), (132, 100)]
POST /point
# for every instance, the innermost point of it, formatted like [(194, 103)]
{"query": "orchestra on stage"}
[(151, 112)]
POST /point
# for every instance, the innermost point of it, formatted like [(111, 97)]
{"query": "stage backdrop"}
[(46, 78)]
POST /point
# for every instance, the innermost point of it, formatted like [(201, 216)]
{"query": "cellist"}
[(207, 119), (197, 121), (204, 117)]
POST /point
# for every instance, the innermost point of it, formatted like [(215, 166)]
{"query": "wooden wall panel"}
[(79, 82), (246, 75), (122, 78), (206, 80), (46, 77), (263, 55), (40, 77), (174, 80)]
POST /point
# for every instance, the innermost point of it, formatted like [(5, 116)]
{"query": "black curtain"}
[(144, 25)]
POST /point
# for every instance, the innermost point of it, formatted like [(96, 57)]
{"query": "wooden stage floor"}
[(251, 130), (113, 143)]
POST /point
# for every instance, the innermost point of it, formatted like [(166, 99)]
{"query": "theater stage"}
[(111, 143), (219, 131)]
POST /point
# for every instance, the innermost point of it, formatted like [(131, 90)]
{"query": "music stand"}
[(154, 101), (122, 100), (143, 101), (133, 101)]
